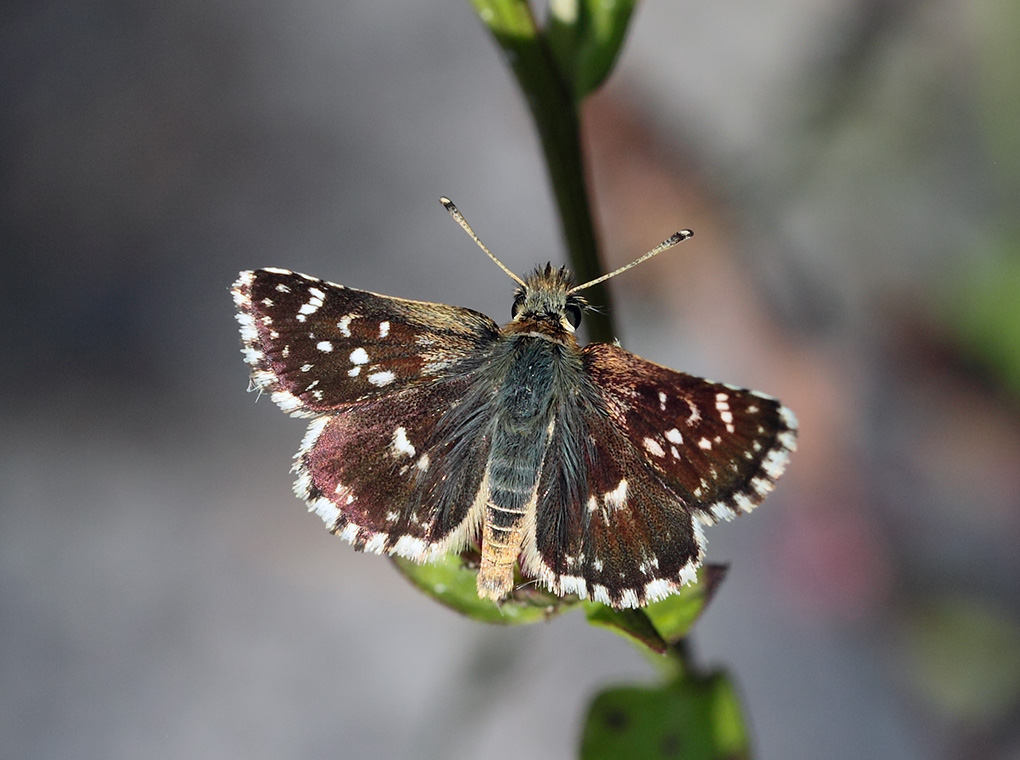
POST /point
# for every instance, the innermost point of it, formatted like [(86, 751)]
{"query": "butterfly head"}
[(545, 297)]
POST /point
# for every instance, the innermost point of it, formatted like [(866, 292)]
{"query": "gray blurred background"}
[(851, 172)]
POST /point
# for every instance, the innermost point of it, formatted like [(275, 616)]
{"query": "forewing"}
[(402, 474), (316, 346), (720, 449)]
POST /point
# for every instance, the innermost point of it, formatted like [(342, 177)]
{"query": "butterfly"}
[(434, 429)]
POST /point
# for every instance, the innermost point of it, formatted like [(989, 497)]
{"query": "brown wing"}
[(316, 346), (640, 458)]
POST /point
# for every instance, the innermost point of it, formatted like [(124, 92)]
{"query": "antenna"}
[(665, 245), (459, 219)]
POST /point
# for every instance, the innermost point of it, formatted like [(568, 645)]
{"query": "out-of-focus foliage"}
[(963, 659), (691, 718)]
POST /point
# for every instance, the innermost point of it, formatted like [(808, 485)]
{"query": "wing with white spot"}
[(403, 474), (641, 457), (606, 527), (316, 346), (719, 448)]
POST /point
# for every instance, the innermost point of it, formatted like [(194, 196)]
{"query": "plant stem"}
[(556, 116)]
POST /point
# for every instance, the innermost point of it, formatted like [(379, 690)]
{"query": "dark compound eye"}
[(518, 305), (573, 312)]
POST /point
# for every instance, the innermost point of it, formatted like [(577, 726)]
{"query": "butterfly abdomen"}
[(519, 439)]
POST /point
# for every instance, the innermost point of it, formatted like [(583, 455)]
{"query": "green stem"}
[(550, 98)]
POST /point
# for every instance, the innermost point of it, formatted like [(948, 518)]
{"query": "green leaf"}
[(508, 20), (630, 623), (585, 37), (690, 718), (664, 622), (452, 582), (674, 616)]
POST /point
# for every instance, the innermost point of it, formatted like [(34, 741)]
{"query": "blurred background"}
[(852, 172)]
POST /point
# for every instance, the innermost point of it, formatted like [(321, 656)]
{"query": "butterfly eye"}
[(573, 312), (516, 308)]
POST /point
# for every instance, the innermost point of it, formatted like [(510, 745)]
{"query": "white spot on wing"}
[(660, 588), (411, 547), (384, 329), (652, 447), (673, 436), (345, 324), (359, 356), (324, 345), (616, 498), (252, 355), (572, 584), (788, 418), (774, 463), (376, 543), (723, 511), (325, 509), (248, 330), (743, 502), (401, 444), (381, 378), (315, 301)]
